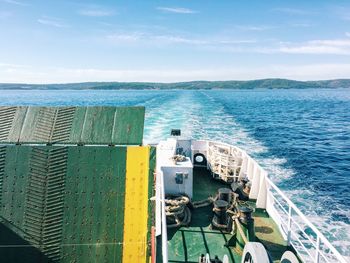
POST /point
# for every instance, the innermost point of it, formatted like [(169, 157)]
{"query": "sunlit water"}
[(301, 137)]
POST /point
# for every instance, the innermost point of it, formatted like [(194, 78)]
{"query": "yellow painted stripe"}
[(136, 205)]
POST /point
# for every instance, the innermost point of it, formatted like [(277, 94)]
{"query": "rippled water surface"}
[(301, 137)]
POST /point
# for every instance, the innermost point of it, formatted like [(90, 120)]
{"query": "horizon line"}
[(172, 82)]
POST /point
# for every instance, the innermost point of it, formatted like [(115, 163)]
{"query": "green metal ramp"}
[(63, 204), (56, 199), (63, 177), (72, 125)]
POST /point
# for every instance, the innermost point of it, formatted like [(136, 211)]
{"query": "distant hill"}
[(250, 84)]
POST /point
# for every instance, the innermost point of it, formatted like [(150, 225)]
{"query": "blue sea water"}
[(301, 137)]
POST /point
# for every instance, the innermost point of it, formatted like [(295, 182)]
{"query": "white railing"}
[(310, 244), (224, 160)]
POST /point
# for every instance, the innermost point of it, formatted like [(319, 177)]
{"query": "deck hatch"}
[(72, 125)]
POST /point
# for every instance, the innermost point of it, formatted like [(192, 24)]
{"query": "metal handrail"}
[(320, 238), (293, 209)]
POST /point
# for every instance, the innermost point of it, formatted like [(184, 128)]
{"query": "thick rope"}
[(239, 227)]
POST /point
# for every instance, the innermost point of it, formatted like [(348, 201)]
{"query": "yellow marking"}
[(136, 205)]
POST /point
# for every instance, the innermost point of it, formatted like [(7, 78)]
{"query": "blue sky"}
[(72, 41)]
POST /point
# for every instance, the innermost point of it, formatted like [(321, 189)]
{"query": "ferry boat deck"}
[(185, 244)]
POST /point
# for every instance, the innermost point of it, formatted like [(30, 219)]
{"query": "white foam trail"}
[(233, 133), (337, 232), (200, 116), (168, 114)]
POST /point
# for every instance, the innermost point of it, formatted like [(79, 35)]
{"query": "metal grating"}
[(2, 168), (44, 200), (7, 115), (72, 125), (54, 207), (63, 124), (45, 123), (35, 196)]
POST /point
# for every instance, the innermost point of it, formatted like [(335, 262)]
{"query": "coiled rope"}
[(176, 211)]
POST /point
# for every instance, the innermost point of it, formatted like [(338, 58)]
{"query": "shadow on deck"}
[(15, 249)]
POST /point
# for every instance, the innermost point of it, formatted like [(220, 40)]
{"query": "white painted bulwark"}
[(261, 200), (170, 173), (254, 191), (178, 176)]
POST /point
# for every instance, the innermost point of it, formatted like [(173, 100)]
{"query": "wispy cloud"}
[(292, 11), (96, 12), (50, 21), (120, 38), (145, 38), (178, 10), (14, 2), (10, 65), (65, 75), (180, 40), (235, 41), (301, 24), (333, 46), (317, 71), (229, 44), (254, 27), (347, 34)]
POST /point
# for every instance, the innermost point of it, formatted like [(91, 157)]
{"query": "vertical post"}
[(317, 254), (289, 235), (164, 226), (153, 244)]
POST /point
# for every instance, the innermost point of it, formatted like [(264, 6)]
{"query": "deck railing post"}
[(164, 226), (317, 254), (289, 235)]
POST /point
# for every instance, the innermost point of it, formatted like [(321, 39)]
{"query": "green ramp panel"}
[(62, 204), (72, 125)]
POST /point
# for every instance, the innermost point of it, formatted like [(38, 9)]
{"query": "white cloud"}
[(347, 34), (292, 11), (9, 65), (335, 47), (14, 2), (178, 10), (314, 71), (254, 27), (50, 21), (96, 12), (154, 40), (179, 40), (120, 38), (233, 45), (68, 75), (301, 24), (143, 38)]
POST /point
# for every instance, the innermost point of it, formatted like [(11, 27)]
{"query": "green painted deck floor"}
[(186, 244)]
